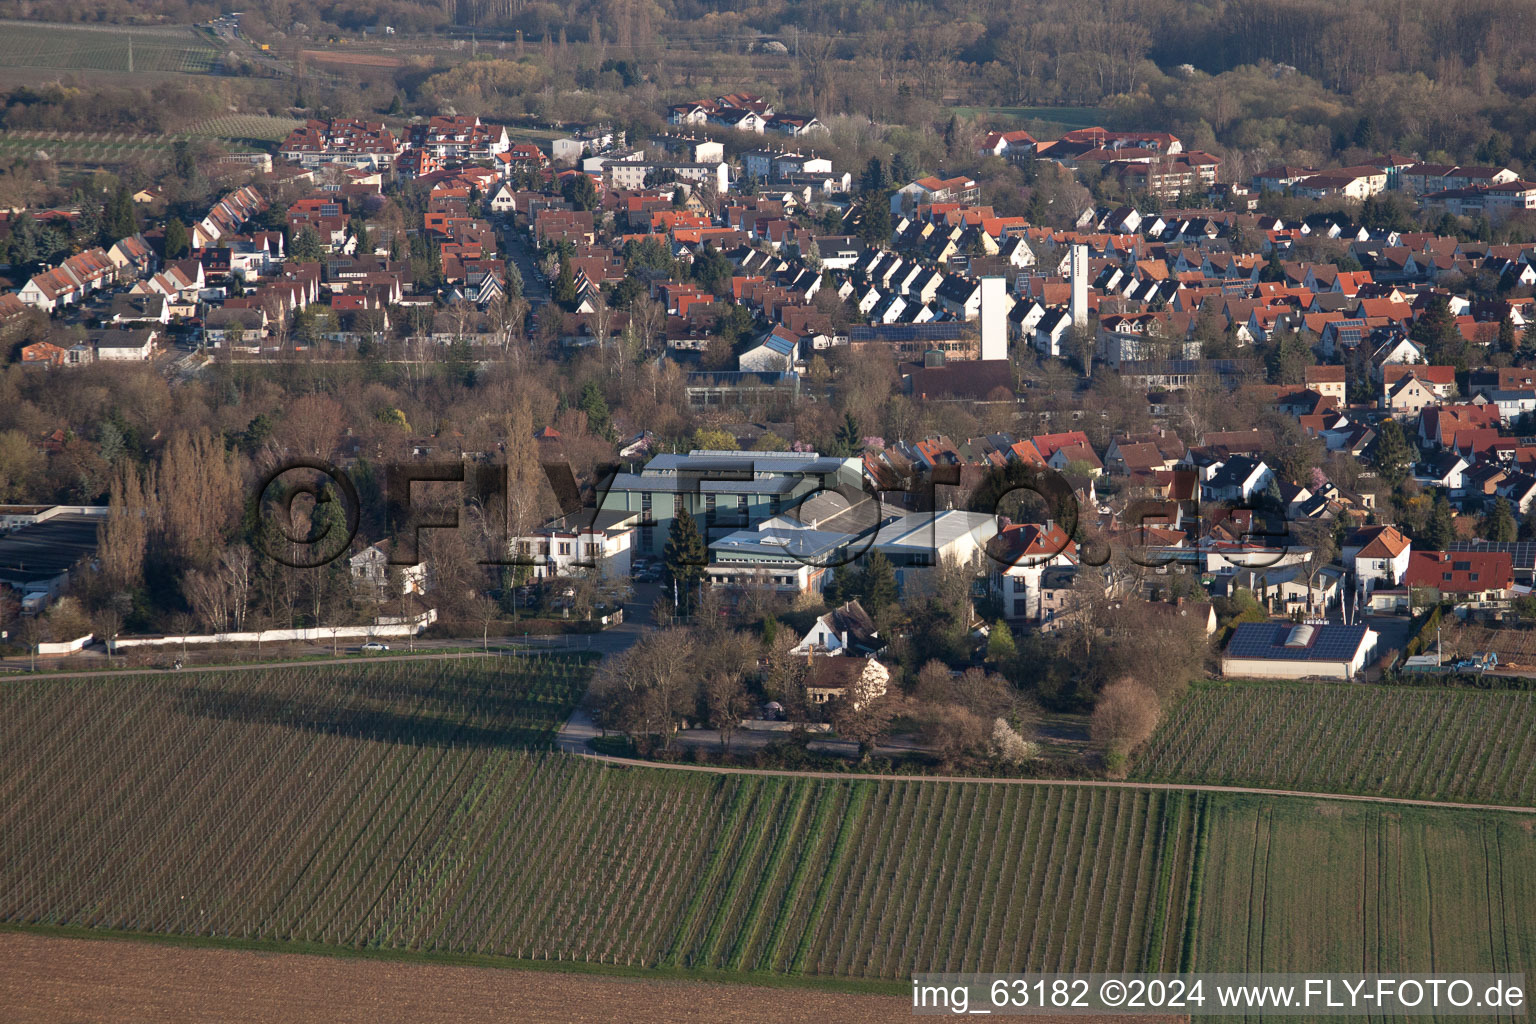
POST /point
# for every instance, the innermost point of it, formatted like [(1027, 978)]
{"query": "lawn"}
[(1066, 118)]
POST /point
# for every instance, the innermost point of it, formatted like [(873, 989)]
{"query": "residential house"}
[(371, 570), (845, 630), (600, 541), (1378, 555), (1237, 480), (1020, 555), (1475, 579), (859, 680)]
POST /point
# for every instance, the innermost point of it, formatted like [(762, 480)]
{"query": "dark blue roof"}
[(947, 331), (1330, 642)]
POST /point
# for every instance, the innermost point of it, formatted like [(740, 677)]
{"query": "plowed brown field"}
[(84, 981), (44, 979)]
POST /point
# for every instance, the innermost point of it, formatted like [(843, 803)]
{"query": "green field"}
[(87, 148), (1296, 885), (1067, 118), (415, 807), (106, 148), (245, 126), (1469, 746), (81, 48), (399, 806)]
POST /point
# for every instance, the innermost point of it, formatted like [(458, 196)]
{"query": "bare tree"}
[(221, 595), (507, 313), (279, 328), (601, 316), (864, 719), (729, 702), (953, 733), (648, 689), (125, 533), (200, 492), (109, 619), (1125, 716), (649, 317)]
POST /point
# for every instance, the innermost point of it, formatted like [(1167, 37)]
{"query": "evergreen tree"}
[(846, 441), (579, 191), (329, 537), (1391, 453), (176, 241), (564, 289), (874, 179), (1288, 358), (683, 560), (596, 407), (307, 247), (877, 584), (21, 248), (1499, 523), (90, 226), (122, 220), (1441, 529), (1508, 340), (183, 164), (1435, 331), (952, 134), (1273, 270), (876, 225), (359, 230), (1528, 338)]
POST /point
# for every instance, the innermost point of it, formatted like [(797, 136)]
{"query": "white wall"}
[(384, 627)]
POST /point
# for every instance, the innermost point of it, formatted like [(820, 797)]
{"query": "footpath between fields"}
[(634, 762)]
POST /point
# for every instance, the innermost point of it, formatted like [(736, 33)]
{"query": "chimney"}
[(994, 318)]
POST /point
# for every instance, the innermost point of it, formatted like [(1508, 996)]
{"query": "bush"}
[(1009, 747), (1125, 716)]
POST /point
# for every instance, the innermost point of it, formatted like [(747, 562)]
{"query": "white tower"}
[(1079, 279), (994, 318)]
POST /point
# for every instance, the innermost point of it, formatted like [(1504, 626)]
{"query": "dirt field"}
[(369, 60), (84, 981)]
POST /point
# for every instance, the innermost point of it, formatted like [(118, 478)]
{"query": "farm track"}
[(1166, 787), (1157, 787)]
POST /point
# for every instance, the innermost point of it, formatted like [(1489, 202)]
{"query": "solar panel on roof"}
[(1332, 642), (945, 331), (1523, 552)]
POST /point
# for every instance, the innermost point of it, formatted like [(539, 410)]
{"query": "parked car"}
[(374, 647)]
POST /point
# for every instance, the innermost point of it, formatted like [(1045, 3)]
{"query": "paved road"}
[(1167, 787), (515, 244)]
